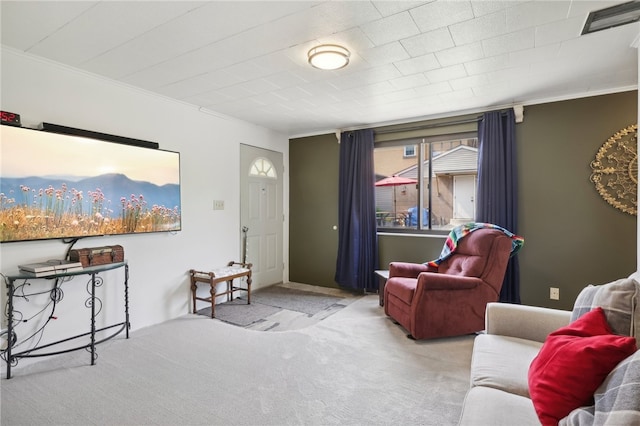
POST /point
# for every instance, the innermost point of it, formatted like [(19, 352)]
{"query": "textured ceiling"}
[(409, 60)]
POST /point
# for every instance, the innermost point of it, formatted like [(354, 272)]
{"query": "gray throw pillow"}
[(616, 400), (618, 299)]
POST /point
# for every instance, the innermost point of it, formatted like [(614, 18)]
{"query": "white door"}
[(464, 194), (261, 212)]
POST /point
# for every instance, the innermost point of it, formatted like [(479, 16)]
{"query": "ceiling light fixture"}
[(329, 57), (613, 16)]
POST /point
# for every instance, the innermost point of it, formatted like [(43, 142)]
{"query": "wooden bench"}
[(226, 274)]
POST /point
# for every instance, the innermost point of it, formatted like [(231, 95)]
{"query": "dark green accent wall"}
[(408, 248), (572, 236)]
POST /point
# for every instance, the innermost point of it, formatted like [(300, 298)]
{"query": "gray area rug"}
[(271, 300), (237, 312), (355, 367)]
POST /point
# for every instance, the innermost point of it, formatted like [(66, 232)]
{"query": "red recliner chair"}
[(450, 299)]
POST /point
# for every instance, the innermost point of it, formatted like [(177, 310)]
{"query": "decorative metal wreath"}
[(615, 170)]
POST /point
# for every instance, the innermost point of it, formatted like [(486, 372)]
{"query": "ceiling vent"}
[(613, 16)]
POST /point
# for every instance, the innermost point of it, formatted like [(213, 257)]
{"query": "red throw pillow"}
[(572, 363)]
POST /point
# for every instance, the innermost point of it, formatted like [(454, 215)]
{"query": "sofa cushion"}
[(502, 362), (487, 407), (572, 363), (619, 300), (616, 400)]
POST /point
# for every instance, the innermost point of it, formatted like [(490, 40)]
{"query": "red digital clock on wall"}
[(10, 118)]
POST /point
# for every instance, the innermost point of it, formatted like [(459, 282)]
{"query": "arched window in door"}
[(262, 167)]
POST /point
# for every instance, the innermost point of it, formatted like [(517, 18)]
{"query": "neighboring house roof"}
[(460, 160)]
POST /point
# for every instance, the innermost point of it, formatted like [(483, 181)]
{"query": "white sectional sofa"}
[(515, 334)]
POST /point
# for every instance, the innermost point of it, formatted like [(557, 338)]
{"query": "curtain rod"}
[(428, 126), (434, 125)]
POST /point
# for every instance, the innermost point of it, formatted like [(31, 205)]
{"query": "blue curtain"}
[(357, 238), (497, 201)]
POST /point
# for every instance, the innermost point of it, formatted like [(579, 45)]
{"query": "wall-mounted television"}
[(64, 186)]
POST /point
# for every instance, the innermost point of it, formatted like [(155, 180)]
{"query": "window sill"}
[(413, 233)]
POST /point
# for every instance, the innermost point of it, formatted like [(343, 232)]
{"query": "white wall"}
[(209, 145)]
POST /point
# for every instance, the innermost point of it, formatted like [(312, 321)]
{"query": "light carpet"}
[(355, 367)]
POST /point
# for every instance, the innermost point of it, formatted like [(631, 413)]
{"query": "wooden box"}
[(93, 256)]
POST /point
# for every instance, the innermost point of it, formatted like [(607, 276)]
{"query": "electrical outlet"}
[(554, 293), (218, 204)]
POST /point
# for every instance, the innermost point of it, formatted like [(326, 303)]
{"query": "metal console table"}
[(95, 281)]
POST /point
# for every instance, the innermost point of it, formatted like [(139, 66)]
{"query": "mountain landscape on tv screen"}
[(40, 207), (114, 186)]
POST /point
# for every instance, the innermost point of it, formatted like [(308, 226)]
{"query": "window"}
[(437, 192), (263, 168), (410, 151)]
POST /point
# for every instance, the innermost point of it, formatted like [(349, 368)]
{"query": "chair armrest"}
[(435, 281), (526, 322), (405, 269)]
